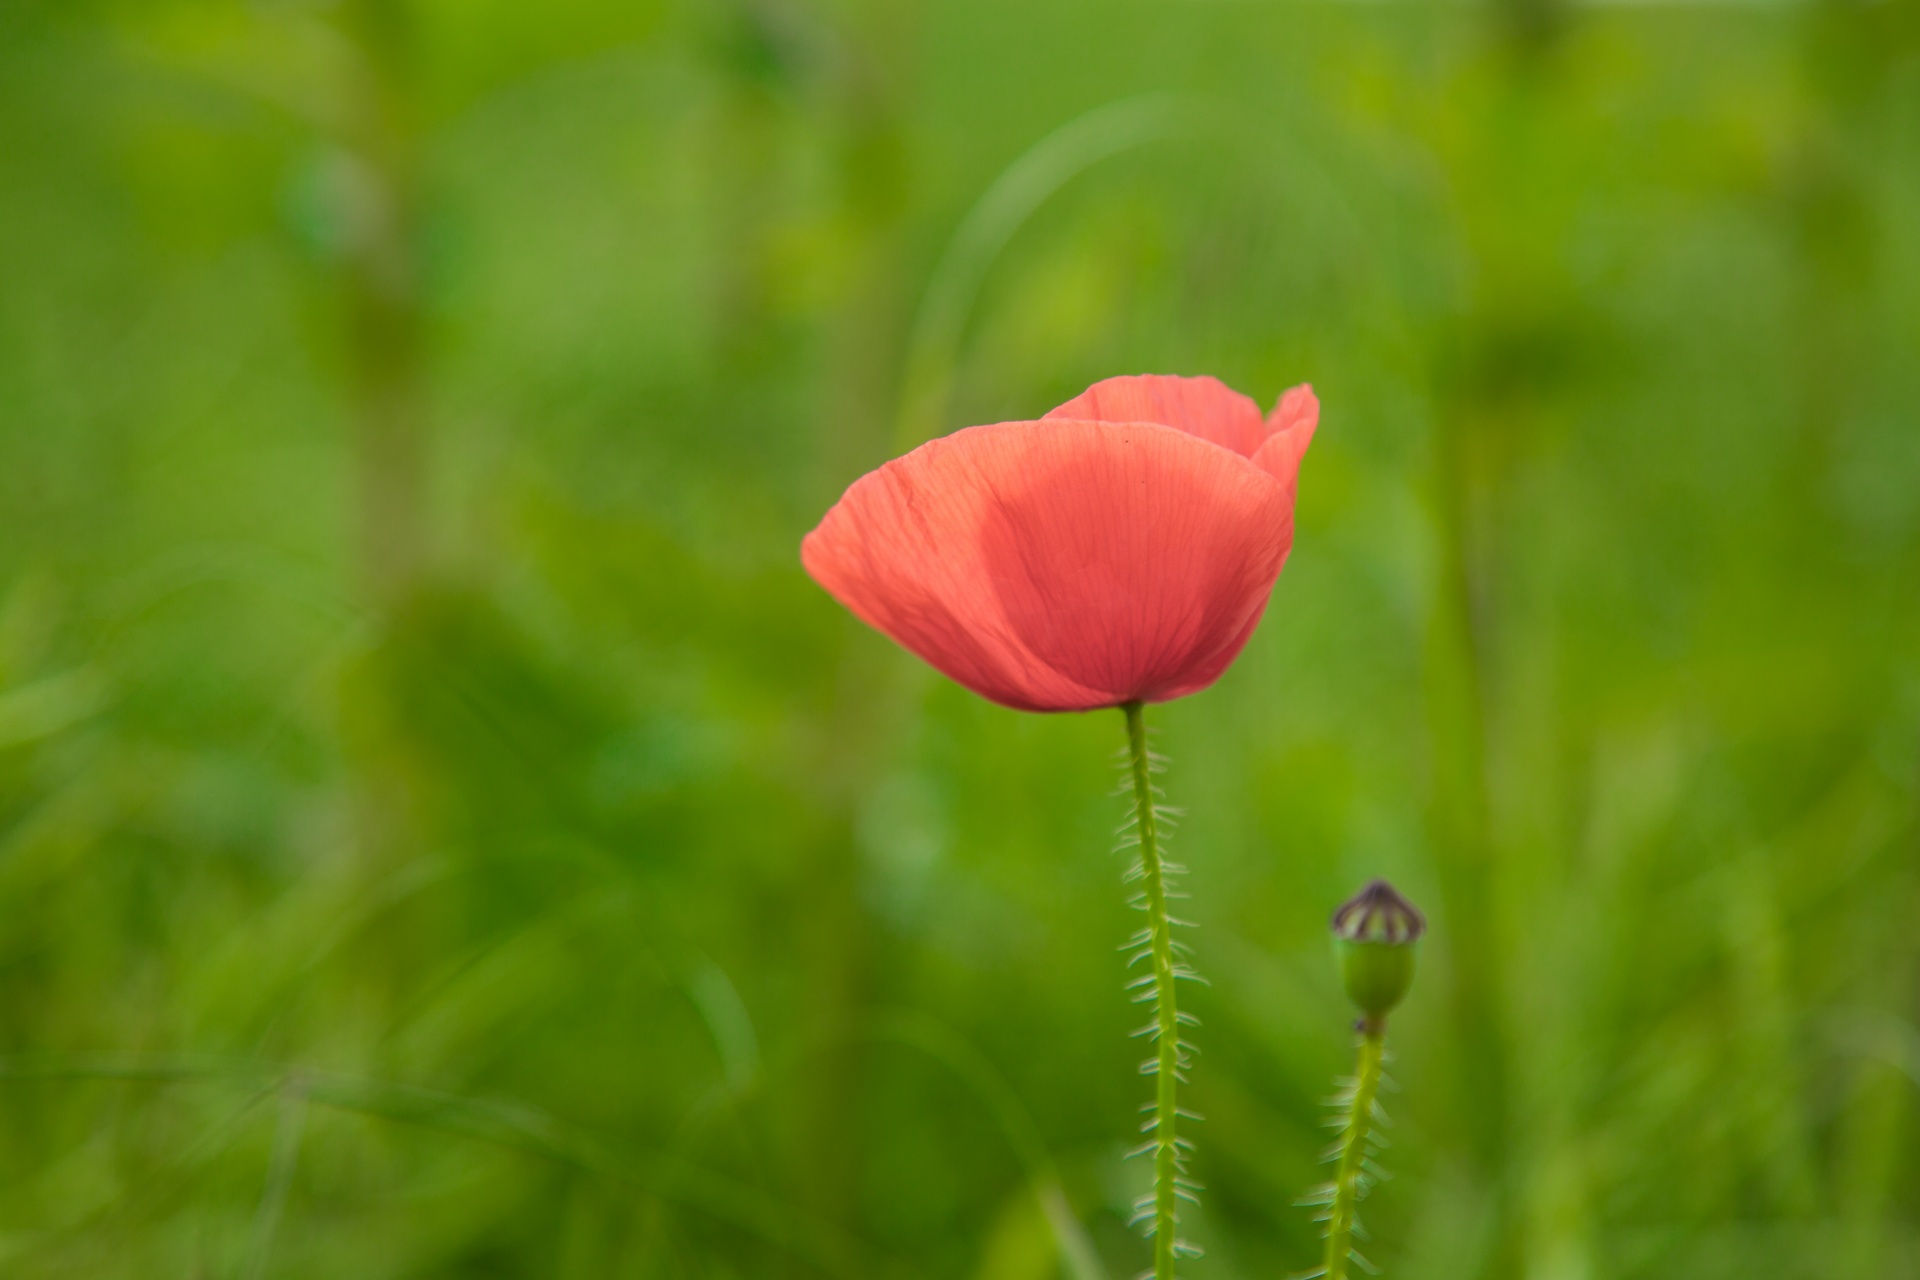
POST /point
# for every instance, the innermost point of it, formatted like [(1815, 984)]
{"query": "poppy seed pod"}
[(1376, 934)]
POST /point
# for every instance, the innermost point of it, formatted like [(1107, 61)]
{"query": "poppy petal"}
[(1062, 565), (1205, 407), (1298, 408), (1291, 427)]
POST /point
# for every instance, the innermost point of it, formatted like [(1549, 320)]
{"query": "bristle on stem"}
[(1173, 1057), (1357, 1108)]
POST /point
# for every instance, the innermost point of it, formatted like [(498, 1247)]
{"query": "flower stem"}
[(1351, 1179), (1166, 1066)]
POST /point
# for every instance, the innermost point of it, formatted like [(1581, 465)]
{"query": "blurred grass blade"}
[(952, 1050), (280, 1170), (46, 707), (503, 1122), (933, 351)]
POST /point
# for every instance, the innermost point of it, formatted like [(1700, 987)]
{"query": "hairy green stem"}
[(1166, 1025), (1350, 1181)]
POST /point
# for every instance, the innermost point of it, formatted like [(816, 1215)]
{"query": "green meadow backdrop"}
[(444, 834)]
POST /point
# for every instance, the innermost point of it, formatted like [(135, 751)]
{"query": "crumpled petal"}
[(1205, 407), (1065, 564), (1208, 408), (1290, 430)]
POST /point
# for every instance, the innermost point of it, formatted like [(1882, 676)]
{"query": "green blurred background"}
[(443, 833)]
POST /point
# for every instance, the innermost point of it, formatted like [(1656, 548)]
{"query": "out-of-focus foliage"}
[(443, 834)]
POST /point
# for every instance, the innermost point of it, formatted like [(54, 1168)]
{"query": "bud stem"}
[(1353, 1148), (1167, 1015)]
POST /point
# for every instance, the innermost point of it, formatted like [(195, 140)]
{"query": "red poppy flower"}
[(1120, 549)]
